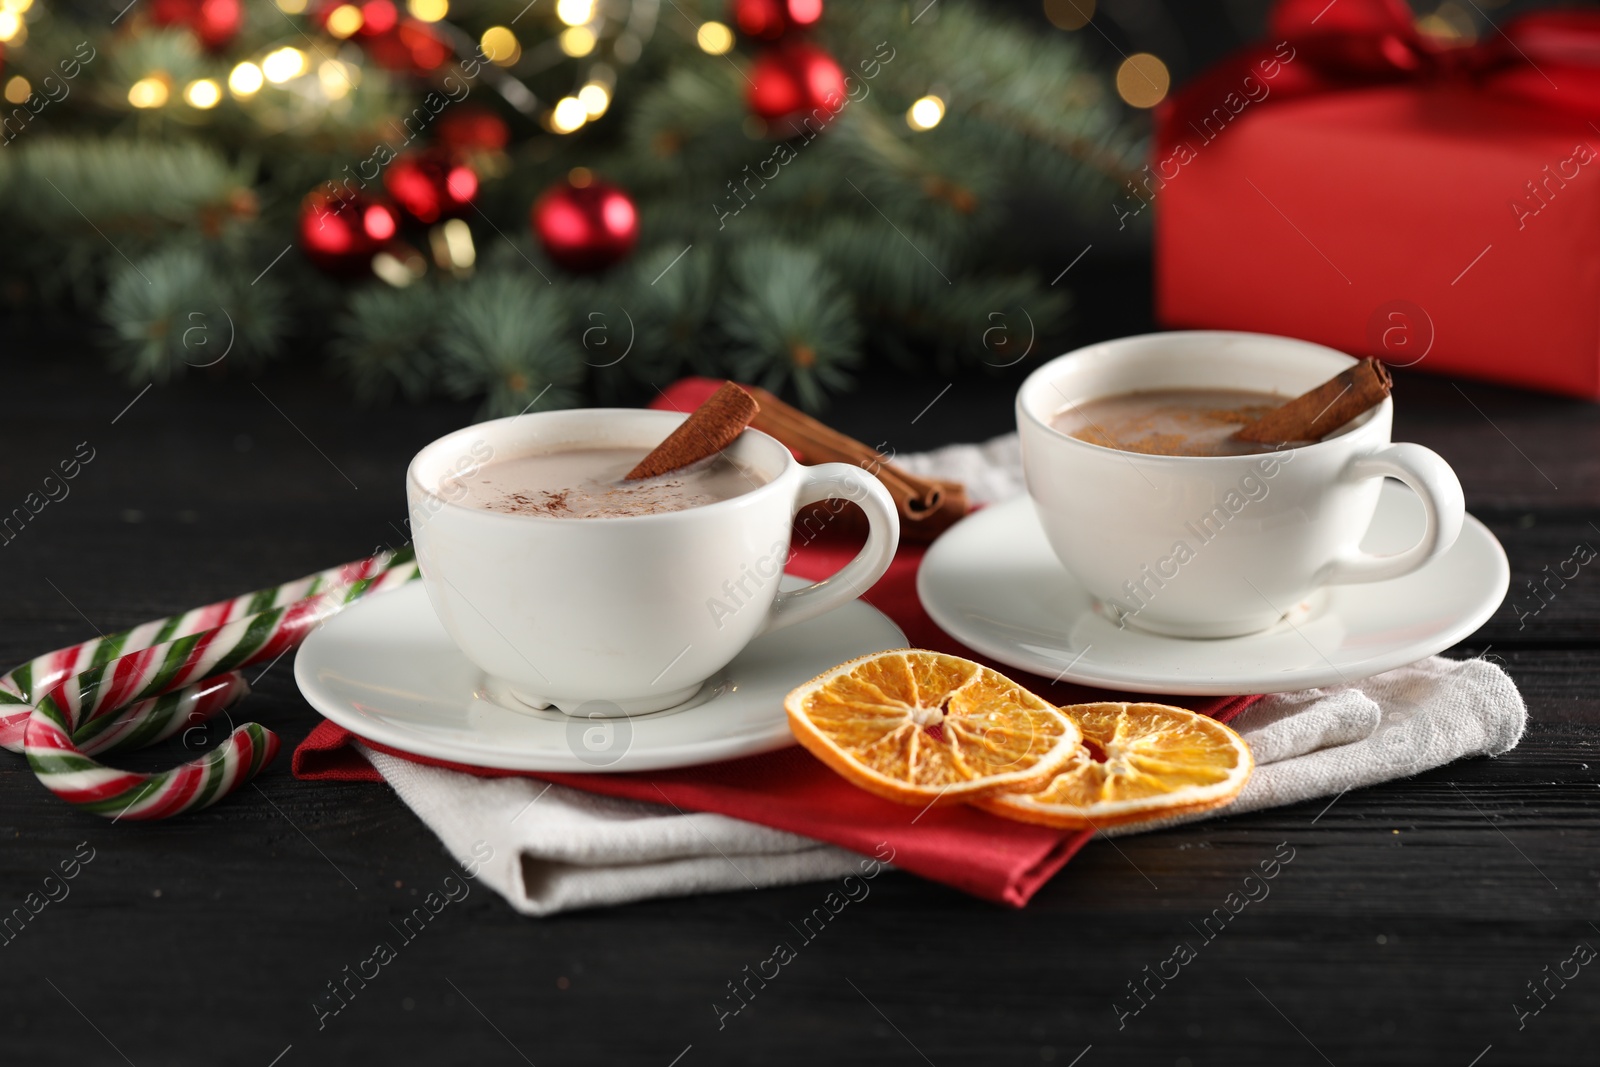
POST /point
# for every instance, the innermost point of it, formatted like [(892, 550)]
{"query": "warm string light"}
[(18, 90), (344, 20), (16, 7), (149, 92), (245, 80), (399, 267), (1069, 14), (335, 78), (428, 10), (10, 25), (1451, 24), (926, 113), (452, 246), (500, 46), (577, 41), (595, 98), (568, 115), (713, 38), (575, 12), (284, 64), (203, 94), (1143, 80)]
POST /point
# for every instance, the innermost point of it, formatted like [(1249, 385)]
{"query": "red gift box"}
[(1353, 183)]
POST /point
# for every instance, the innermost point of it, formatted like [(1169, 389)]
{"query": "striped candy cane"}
[(142, 685)]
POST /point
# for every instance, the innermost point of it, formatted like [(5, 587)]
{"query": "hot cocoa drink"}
[(586, 483), (1170, 422)]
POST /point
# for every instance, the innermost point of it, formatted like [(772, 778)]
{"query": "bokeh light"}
[(926, 113), (595, 98), (577, 41), (500, 46), (1143, 80), (714, 38), (204, 94), (148, 92), (334, 77), (283, 64), (569, 115), (428, 10), (575, 12), (245, 80), (1069, 14), (344, 20)]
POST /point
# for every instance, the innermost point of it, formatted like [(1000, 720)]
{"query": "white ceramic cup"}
[(1218, 546), (631, 614)]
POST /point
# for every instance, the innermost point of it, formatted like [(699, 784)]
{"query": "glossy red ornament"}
[(472, 128), (409, 46), (794, 80), (341, 233), (214, 22), (378, 17), (429, 187), (588, 227), (771, 19)]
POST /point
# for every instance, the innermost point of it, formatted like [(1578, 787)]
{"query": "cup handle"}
[(1435, 484), (829, 481)]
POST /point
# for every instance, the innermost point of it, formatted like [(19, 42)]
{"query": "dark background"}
[(1407, 926)]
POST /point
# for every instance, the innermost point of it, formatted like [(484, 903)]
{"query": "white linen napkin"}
[(547, 848), (1325, 742)]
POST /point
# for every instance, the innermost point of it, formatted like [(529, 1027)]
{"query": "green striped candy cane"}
[(142, 685)]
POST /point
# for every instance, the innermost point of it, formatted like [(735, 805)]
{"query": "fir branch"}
[(668, 297), (178, 309), (510, 337), (801, 249), (107, 188), (386, 341), (790, 320)]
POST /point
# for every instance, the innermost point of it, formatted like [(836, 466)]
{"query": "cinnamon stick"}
[(1313, 415), (927, 506), (709, 429)]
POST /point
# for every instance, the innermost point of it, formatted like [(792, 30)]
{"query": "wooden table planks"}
[(1404, 930)]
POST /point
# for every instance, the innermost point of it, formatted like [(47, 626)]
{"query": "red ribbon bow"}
[(1550, 59)]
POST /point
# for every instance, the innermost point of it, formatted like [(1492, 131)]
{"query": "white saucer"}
[(384, 669), (992, 582)]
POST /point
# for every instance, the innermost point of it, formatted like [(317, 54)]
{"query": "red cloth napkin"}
[(990, 857)]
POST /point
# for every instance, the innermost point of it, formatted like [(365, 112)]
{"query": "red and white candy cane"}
[(142, 685)]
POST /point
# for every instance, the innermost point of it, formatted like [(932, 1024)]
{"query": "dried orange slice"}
[(1138, 762), (919, 727)]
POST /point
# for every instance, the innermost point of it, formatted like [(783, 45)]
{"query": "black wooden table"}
[(1406, 930)]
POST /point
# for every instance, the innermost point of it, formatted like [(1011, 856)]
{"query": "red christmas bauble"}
[(217, 22), (771, 19), (472, 128), (378, 17), (409, 46), (214, 22), (341, 233), (171, 12), (429, 187), (795, 79), (586, 227)]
